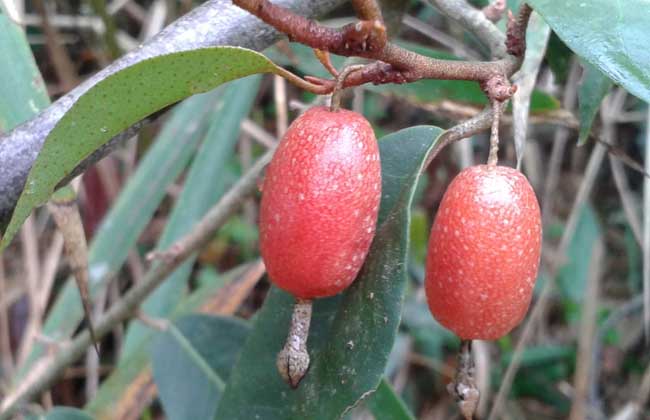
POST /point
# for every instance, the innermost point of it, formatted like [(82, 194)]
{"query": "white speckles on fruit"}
[(483, 253), (319, 206)]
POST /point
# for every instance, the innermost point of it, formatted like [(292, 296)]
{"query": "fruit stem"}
[(464, 389), (335, 102), (293, 359), (493, 157)]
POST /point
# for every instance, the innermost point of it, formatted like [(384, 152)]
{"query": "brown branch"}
[(478, 123), (367, 10), (516, 33), (353, 39), (65, 212), (395, 65)]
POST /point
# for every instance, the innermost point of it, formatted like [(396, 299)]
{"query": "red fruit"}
[(319, 203), (484, 252)]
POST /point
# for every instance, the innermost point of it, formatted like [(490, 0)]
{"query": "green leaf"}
[(119, 101), (541, 356), (573, 276), (22, 90), (612, 35), (558, 58), (352, 334), (129, 368), (205, 184), (192, 361), (386, 405), (61, 413), (121, 227), (592, 90)]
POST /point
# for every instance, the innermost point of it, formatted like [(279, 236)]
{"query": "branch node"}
[(338, 88), (498, 88), (361, 37)]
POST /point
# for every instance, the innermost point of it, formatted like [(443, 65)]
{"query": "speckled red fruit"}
[(320, 200), (484, 253)]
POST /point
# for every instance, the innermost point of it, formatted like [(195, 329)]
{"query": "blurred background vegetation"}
[(587, 338)]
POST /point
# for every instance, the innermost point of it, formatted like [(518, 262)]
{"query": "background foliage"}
[(206, 345)]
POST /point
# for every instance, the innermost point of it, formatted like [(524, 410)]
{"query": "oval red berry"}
[(320, 202), (484, 252)]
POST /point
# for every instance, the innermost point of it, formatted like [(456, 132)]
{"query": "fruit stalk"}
[(335, 102), (293, 359), (464, 388), (493, 157)]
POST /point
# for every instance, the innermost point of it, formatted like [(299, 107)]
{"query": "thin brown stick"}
[(65, 212), (281, 111), (535, 317), (584, 372), (141, 391), (63, 66), (560, 140), (646, 235), (29, 244), (608, 114), (258, 134), (51, 367), (6, 355), (561, 118)]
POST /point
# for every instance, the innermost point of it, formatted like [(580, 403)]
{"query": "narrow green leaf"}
[(536, 39), (119, 101), (592, 90), (61, 413), (205, 184), (612, 35), (129, 368), (541, 356), (22, 90), (573, 276), (124, 223), (385, 404), (192, 361), (352, 334)]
